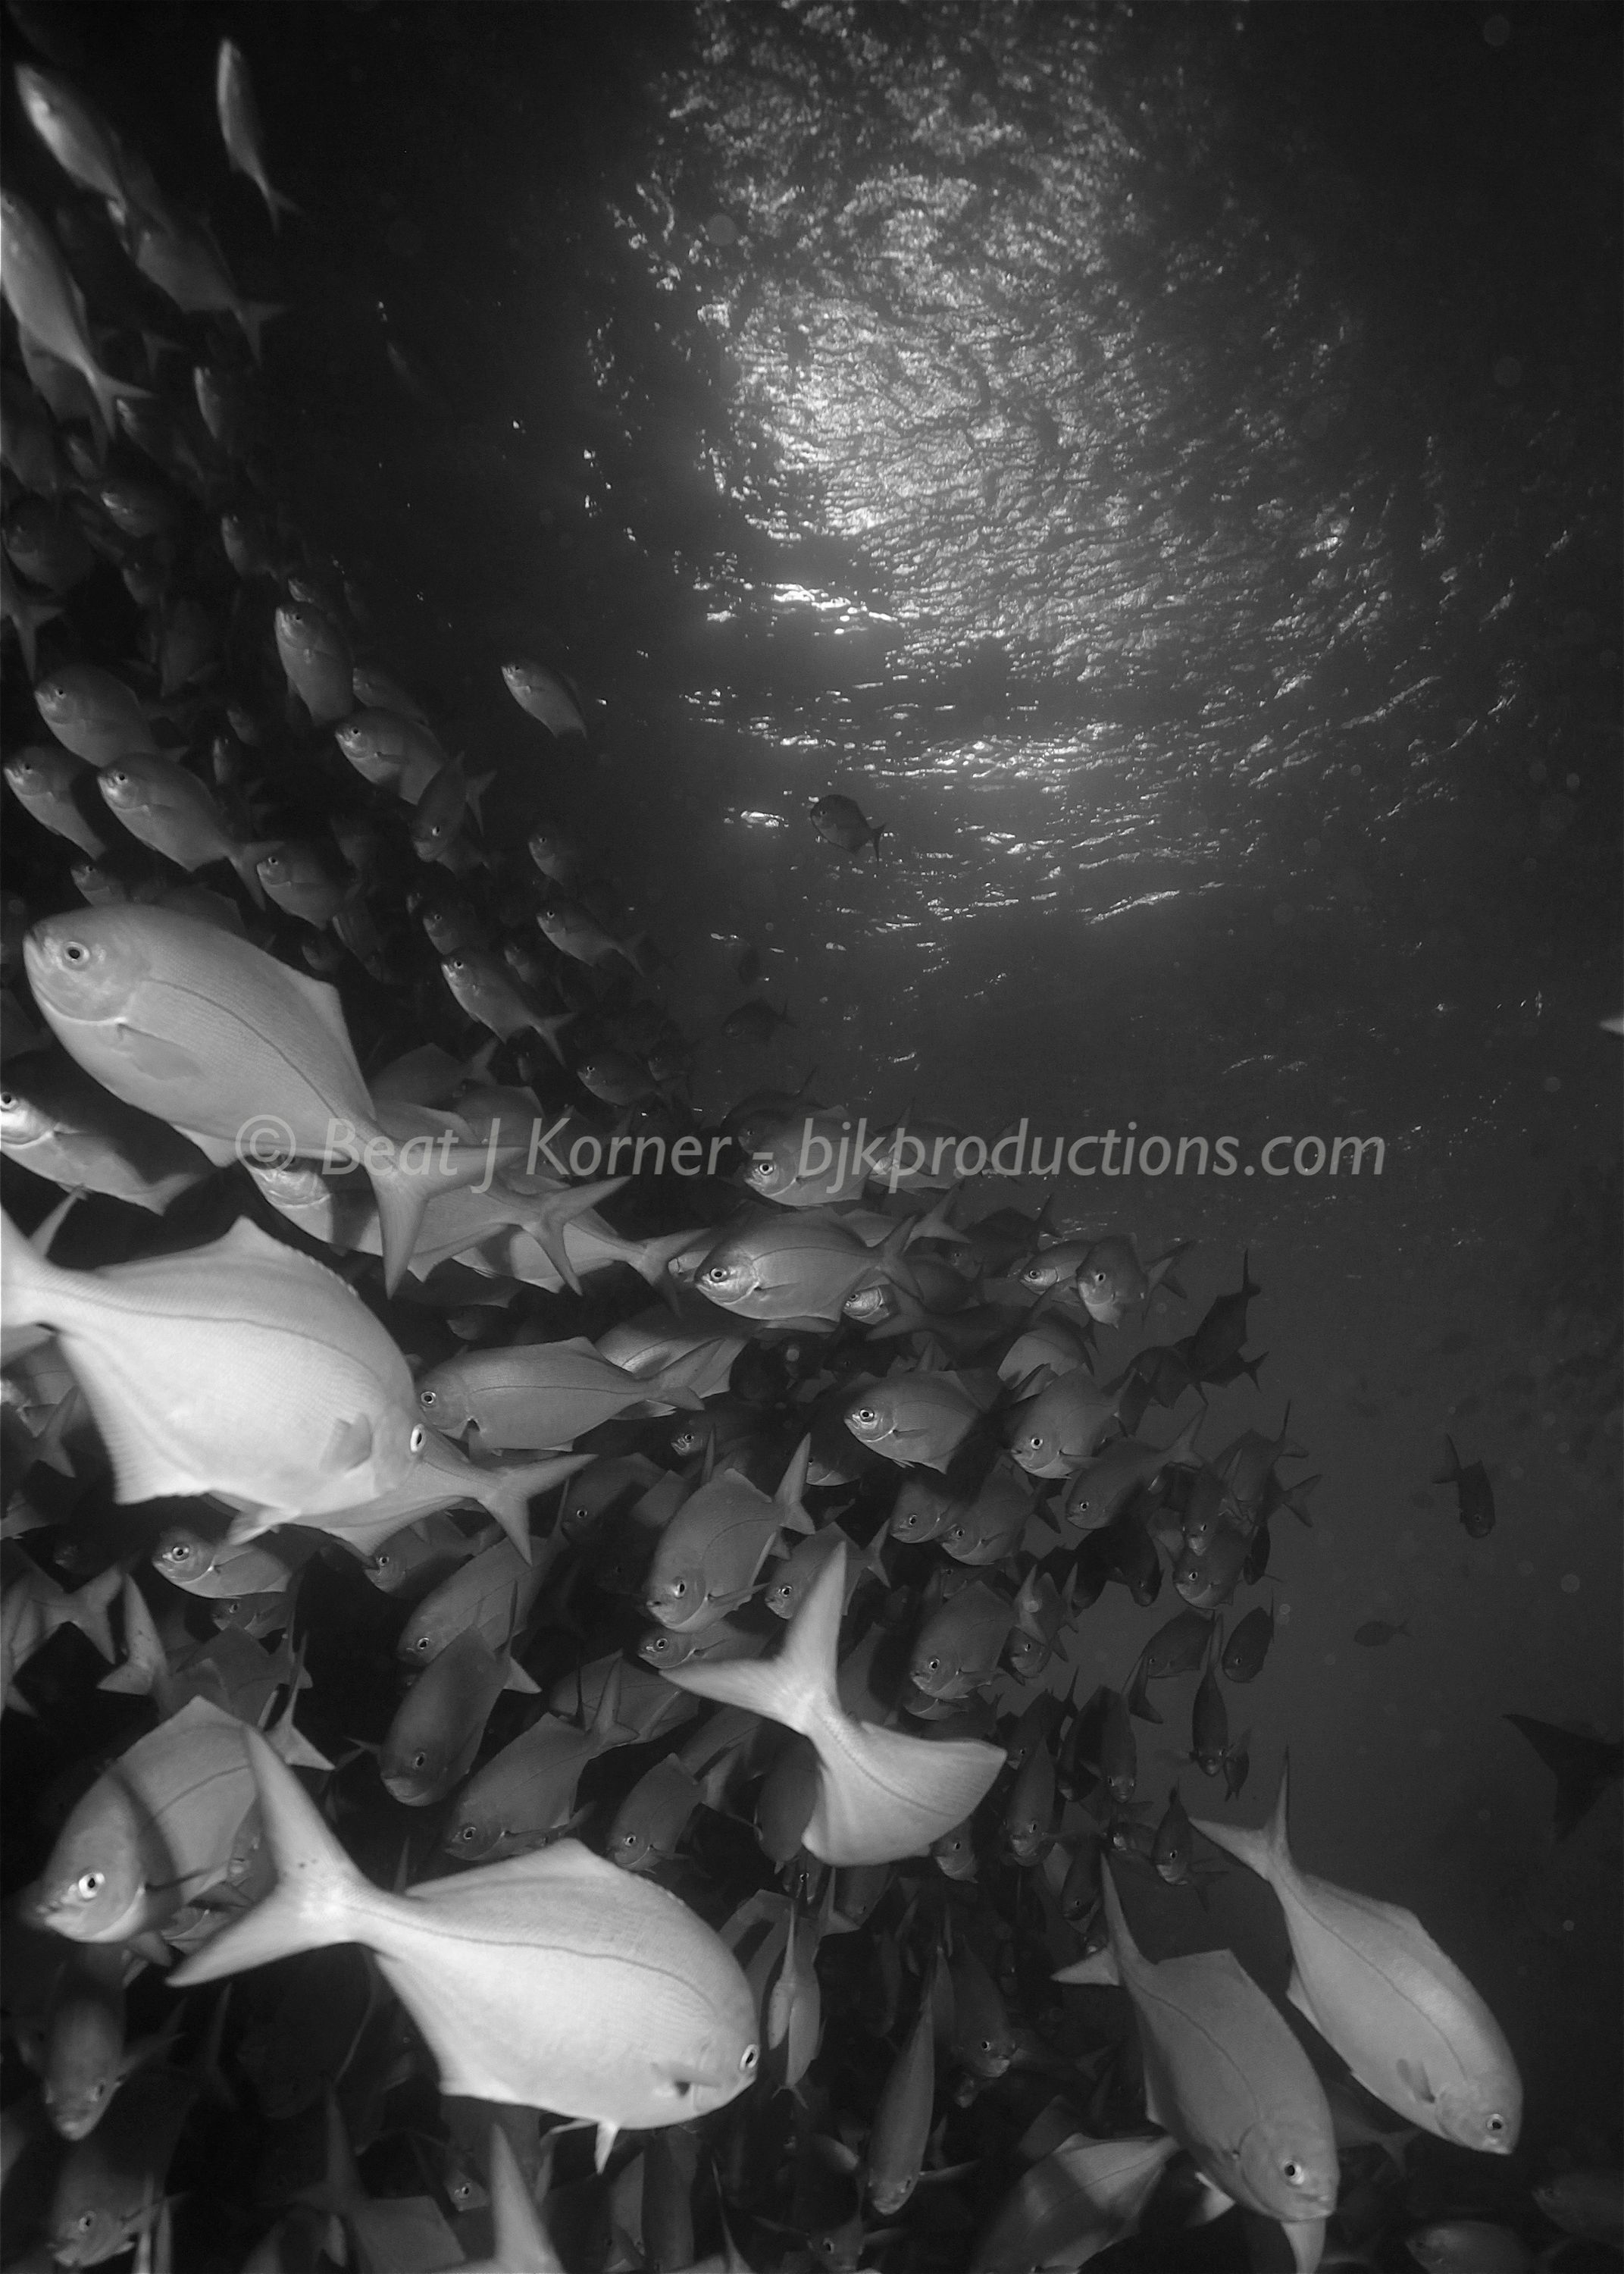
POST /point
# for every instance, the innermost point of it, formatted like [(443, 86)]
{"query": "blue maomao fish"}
[(541, 1394), (111, 2182), (1248, 1644), (651, 1818), (386, 749), (214, 1568), (958, 1647), (1112, 1281), (1102, 1487), (92, 713), (991, 1526), (1382, 1994), (47, 304), (787, 1582), (233, 1048), (81, 141), (1083, 2197), (153, 1831), (982, 2038), (415, 1559), (881, 1796), (56, 1121), (1056, 1432), (47, 782), (901, 2129), (709, 1554), (1473, 1490), (86, 2058), (239, 127), (797, 1266), (547, 697), (1224, 2074), (492, 1593), (525, 1795), (440, 1723), (647, 1343), (26, 614), (551, 1980), (174, 1354), (914, 1418)]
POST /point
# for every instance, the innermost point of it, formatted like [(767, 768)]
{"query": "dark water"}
[(1164, 463)]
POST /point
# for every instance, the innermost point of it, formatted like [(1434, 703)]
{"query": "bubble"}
[(1496, 30), (1571, 781), (1553, 1083), (1329, 1659), (1484, 1816), (1310, 845), (1570, 1582), (1432, 1739), (1525, 1570), (1537, 772), (1355, 771), (1283, 914), (721, 229)]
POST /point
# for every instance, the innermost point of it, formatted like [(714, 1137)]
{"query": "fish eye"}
[(935, 1667), (422, 1643), (748, 2058), (762, 1168), (716, 1273), (1494, 2125), (419, 1439), (89, 1885), (678, 1587), (74, 951), (467, 1833), (419, 1760), (428, 1397), (865, 1414), (1293, 2174), (85, 2220)]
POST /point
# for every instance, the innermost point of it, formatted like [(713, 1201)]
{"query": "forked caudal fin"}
[(1263, 1848), (798, 1686), (314, 1902)]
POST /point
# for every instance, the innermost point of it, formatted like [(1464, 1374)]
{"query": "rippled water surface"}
[(1163, 463)]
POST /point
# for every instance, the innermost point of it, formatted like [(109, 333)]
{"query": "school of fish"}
[(577, 1640)]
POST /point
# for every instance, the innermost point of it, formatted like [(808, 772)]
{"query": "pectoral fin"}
[(160, 1059), (351, 1443), (1414, 2079)]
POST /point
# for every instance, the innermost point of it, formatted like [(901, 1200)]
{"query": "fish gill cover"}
[(811, 891)]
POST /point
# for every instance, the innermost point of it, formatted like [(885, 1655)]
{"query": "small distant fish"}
[(1248, 1645), (1474, 1491), (1587, 2203), (755, 1022), (841, 822), (1375, 1632)]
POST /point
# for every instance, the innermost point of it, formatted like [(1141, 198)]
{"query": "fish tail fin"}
[(547, 1226), (791, 1485), (402, 1196), (1452, 1474), (253, 315), (318, 1888), (27, 1278), (1249, 1367), (107, 391), (277, 205), (1248, 1285), (506, 1494), (876, 831), (894, 1263), (1262, 1848), (86, 1610), (797, 1687)]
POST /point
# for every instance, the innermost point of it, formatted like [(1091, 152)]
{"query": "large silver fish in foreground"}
[(240, 1368), (1377, 1988), (549, 1981), (881, 1796), (242, 1054)]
